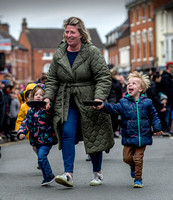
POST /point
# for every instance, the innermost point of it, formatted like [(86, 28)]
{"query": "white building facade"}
[(164, 34)]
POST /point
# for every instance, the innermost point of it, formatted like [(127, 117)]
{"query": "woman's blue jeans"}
[(42, 153), (68, 143), (96, 159)]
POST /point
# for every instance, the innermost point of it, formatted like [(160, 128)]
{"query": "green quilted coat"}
[(88, 79)]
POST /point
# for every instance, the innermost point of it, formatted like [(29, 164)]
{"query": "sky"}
[(104, 15)]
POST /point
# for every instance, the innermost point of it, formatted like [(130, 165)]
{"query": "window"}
[(133, 45), (138, 37), (167, 49), (132, 15), (145, 49), (133, 51), (162, 49), (144, 37), (47, 56), (150, 10), (139, 50), (150, 38), (138, 14), (46, 67), (144, 12), (151, 48), (116, 60), (162, 19)]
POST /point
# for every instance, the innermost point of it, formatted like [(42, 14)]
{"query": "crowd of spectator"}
[(160, 91), (11, 99)]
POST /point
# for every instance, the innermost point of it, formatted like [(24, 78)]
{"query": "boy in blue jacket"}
[(139, 120)]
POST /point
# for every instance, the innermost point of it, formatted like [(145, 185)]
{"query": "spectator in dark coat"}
[(7, 102), (2, 108), (159, 101), (1, 112), (167, 89), (114, 97), (123, 85), (13, 112)]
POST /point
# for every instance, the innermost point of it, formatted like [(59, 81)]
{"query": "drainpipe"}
[(32, 64)]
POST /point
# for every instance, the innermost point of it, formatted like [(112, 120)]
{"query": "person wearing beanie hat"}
[(169, 65), (163, 96), (167, 89)]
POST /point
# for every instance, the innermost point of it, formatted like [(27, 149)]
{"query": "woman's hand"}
[(163, 110), (47, 103), (99, 106)]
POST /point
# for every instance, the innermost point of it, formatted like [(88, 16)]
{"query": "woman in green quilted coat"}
[(79, 72)]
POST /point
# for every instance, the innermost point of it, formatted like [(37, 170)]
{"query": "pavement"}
[(21, 180)]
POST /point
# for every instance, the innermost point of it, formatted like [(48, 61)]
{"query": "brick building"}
[(142, 32), (118, 46), (15, 55), (41, 45), (145, 39), (164, 34)]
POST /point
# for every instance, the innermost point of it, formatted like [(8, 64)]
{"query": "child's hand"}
[(163, 110), (21, 136), (158, 133), (99, 106)]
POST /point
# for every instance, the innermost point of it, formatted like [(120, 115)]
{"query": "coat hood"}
[(29, 87), (6, 84)]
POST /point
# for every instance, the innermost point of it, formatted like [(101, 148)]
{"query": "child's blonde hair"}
[(145, 81)]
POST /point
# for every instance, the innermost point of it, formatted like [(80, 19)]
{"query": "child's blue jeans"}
[(68, 143), (42, 153)]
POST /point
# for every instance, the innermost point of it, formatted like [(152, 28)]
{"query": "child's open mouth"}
[(130, 90)]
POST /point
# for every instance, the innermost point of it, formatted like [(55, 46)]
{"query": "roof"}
[(167, 6), (120, 29), (50, 38), (14, 43), (132, 3)]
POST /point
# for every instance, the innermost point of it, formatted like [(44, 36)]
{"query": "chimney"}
[(4, 27), (24, 24)]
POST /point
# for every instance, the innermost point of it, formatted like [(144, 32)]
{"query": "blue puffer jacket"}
[(138, 119)]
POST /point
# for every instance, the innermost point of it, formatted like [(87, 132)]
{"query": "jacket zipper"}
[(139, 132)]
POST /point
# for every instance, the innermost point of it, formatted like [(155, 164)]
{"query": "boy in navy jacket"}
[(139, 120)]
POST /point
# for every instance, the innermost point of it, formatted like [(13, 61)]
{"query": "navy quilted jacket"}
[(138, 119), (40, 124)]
